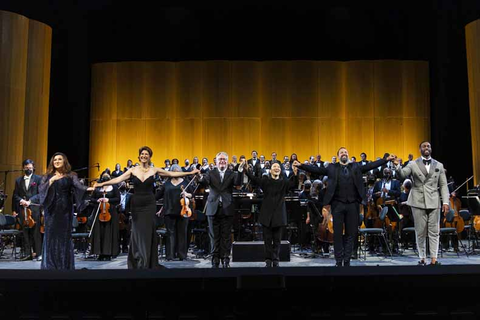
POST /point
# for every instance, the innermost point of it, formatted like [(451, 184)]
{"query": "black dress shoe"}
[(268, 263), (346, 263), (421, 263), (276, 263), (339, 264)]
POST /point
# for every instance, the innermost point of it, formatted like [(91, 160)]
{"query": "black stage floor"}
[(390, 287)]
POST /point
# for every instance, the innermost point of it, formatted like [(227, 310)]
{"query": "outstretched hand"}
[(391, 157)]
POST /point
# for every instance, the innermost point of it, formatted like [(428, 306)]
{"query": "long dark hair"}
[(67, 168)]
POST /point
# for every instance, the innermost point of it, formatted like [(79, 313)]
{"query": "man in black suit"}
[(26, 187), (410, 158), (274, 159), (345, 193), (220, 209), (255, 163), (363, 159)]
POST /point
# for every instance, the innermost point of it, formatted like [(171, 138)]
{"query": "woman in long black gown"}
[(106, 234), (273, 213), (143, 251), (56, 192)]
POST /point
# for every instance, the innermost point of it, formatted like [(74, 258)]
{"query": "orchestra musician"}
[(174, 189), (345, 194), (26, 187), (429, 183), (105, 234), (220, 209), (273, 214)]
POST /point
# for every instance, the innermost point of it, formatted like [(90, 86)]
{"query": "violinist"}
[(429, 182), (388, 189), (176, 224), (105, 234), (26, 187), (406, 212)]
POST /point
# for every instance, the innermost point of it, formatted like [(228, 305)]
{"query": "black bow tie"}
[(427, 162)]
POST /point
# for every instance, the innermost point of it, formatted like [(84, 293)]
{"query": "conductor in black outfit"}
[(220, 208), (345, 193), (273, 214)]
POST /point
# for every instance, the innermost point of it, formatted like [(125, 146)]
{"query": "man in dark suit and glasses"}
[(345, 193), (220, 208), (26, 187)]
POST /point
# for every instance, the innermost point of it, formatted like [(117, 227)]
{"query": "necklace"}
[(145, 170)]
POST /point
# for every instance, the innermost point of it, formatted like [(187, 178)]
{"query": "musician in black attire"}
[(176, 224), (345, 193), (273, 214), (220, 208), (105, 234), (117, 172), (26, 187)]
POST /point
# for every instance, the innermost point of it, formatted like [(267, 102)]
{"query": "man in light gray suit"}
[(428, 192)]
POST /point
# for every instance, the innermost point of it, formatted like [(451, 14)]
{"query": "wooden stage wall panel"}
[(472, 35), (25, 55), (186, 109)]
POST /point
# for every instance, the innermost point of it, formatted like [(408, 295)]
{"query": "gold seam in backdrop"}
[(25, 55), (472, 36), (186, 109)]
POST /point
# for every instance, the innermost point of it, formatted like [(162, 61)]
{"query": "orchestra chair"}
[(162, 235), (6, 233), (449, 233), (408, 230), (469, 229), (81, 237), (365, 233)]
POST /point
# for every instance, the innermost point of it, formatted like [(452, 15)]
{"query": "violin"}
[(104, 214), (185, 202), (42, 223), (28, 220)]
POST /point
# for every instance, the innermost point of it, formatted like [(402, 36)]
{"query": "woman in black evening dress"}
[(143, 250), (56, 193)]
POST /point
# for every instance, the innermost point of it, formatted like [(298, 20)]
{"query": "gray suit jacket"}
[(425, 190), (219, 189)]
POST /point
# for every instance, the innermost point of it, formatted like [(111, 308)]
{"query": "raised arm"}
[(375, 164), (116, 180), (312, 169), (172, 174), (402, 172)]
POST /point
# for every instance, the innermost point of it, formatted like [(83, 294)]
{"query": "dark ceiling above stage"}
[(96, 31)]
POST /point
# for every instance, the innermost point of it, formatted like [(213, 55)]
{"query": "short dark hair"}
[(150, 152), (27, 162), (254, 151), (340, 149), (420, 145), (363, 153)]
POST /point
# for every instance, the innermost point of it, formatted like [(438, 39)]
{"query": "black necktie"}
[(345, 170), (426, 162)]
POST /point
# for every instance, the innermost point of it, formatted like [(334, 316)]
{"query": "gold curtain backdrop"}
[(186, 109), (472, 35), (25, 51)]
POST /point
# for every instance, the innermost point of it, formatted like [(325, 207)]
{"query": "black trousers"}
[(220, 231), (272, 238), (344, 214), (32, 240), (176, 236)]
